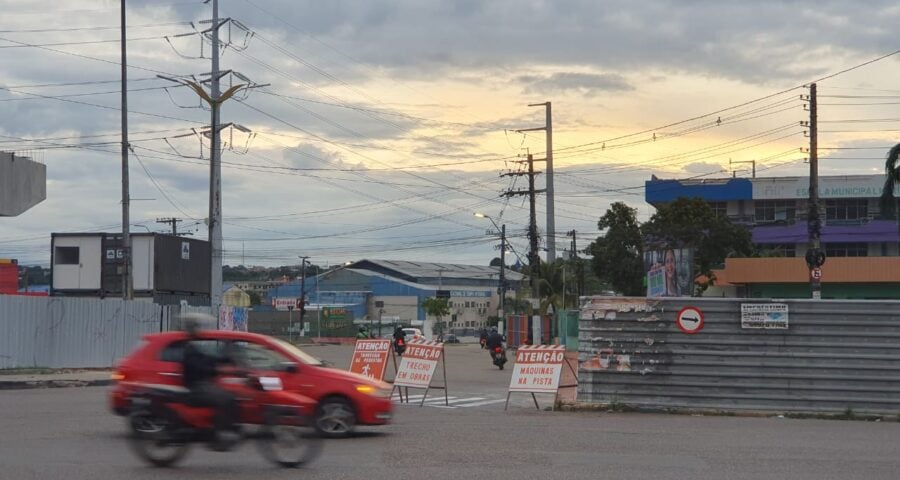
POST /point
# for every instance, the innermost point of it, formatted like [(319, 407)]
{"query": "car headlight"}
[(374, 391)]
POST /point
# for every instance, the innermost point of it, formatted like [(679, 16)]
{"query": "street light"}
[(502, 291)]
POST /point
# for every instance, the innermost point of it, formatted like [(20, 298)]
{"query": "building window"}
[(779, 250), (847, 249), (719, 208), (67, 256), (774, 210), (847, 209)]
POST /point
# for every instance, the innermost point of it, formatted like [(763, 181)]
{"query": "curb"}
[(34, 384)]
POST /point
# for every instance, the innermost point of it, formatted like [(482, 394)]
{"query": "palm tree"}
[(892, 172)]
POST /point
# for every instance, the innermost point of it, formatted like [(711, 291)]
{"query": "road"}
[(68, 433)]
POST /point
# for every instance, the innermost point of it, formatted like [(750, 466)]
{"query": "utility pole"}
[(815, 256), (172, 221), (533, 255), (734, 172), (579, 284), (127, 292), (551, 222), (215, 172), (502, 272), (214, 99), (303, 288)]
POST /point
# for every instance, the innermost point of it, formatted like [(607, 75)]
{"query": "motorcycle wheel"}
[(153, 439), (287, 440)]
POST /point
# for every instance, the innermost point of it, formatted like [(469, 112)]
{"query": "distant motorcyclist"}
[(399, 334), (482, 337), (494, 339), (495, 342), (399, 340), (363, 333), (199, 371)]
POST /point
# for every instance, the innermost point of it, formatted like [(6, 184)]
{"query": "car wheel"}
[(335, 417)]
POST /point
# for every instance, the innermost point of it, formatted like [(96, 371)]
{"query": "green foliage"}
[(691, 223), (436, 307), (255, 298), (892, 179), (35, 275), (618, 254)]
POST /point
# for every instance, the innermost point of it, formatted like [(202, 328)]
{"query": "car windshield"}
[(299, 354)]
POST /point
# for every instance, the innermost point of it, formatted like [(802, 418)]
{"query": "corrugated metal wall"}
[(835, 355), (60, 332)]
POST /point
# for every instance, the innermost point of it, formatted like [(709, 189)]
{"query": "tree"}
[(691, 223), (892, 180), (437, 307), (618, 254)]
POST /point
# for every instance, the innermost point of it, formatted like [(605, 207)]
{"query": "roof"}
[(418, 270)]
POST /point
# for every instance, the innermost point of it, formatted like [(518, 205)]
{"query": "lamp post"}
[(502, 292)]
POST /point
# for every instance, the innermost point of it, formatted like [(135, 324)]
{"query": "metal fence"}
[(59, 332), (824, 356)]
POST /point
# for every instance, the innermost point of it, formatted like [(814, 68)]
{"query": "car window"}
[(299, 354), (174, 352), (259, 357)]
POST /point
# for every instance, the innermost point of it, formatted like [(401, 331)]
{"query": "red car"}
[(343, 399)]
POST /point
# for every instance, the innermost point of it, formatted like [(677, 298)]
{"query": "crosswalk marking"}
[(478, 404), (438, 401)]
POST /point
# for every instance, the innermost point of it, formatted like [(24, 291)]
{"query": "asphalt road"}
[(67, 433)]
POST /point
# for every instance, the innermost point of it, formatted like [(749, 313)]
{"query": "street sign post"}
[(689, 320), (418, 365), (370, 357)]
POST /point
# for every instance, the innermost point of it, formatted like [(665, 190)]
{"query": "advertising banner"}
[(418, 364), (537, 368), (669, 272), (764, 315), (370, 357)]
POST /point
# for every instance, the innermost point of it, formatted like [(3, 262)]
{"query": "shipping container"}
[(164, 267)]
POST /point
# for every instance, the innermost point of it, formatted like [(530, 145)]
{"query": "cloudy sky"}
[(384, 125)]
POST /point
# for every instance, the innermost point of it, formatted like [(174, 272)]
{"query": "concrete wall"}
[(23, 184), (833, 356)]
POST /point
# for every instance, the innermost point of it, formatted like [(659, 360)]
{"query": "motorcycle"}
[(483, 342), (164, 424), (399, 346), (499, 357)]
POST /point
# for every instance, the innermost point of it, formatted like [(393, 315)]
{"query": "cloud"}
[(586, 84)]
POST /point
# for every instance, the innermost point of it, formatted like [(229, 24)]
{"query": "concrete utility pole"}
[(215, 173), (815, 256), (127, 291), (534, 257), (551, 216)]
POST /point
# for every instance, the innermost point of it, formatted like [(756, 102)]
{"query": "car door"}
[(166, 367), (266, 361)]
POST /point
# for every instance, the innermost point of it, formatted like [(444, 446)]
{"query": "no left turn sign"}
[(689, 320)]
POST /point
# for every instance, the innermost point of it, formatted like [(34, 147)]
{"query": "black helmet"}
[(493, 329)]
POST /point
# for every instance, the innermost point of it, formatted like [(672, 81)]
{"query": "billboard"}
[(669, 272)]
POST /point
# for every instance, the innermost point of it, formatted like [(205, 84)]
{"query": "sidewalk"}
[(64, 378)]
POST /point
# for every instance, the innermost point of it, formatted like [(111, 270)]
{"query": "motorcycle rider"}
[(199, 371), (399, 334), (482, 337), (363, 333), (495, 340)]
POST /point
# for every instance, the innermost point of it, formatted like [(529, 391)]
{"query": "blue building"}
[(389, 292), (776, 210)]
